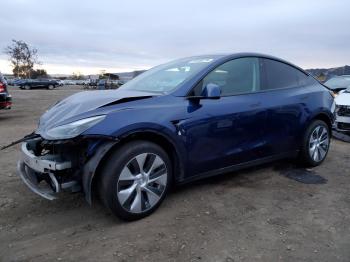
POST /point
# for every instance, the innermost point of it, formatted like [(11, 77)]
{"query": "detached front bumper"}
[(45, 175)]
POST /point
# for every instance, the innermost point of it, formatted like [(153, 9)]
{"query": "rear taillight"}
[(2, 87)]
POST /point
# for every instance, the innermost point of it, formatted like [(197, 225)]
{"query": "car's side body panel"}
[(214, 134)]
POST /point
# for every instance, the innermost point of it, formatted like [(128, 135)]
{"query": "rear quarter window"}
[(277, 75)]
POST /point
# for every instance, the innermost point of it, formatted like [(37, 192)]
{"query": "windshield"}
[(167, 77), (338, 82)]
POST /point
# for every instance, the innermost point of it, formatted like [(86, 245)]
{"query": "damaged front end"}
[(61, 155), (48, 167)]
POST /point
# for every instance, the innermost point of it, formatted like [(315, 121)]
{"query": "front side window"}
[(238, 76), (280, 75)]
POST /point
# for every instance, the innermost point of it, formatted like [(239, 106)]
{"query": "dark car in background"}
[(37, 83), (338, 83), (5, 97), (178, 122), (16, 82)]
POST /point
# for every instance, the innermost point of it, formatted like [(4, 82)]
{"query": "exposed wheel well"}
[(147, 136)]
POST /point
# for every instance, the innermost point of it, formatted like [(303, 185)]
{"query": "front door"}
[(230, 130)]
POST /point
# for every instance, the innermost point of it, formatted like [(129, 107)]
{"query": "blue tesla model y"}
[(180, 121)]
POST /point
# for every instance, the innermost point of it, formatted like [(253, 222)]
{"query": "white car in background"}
[(338, 83), (342, 111)]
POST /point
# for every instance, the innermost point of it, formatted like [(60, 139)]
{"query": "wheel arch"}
[(93, 172), (325, 118)]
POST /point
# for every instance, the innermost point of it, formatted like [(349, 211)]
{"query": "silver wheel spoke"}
[(324, 141), (157, 162), (317, 130), (322, 152), (161, 179), (314, 137), (324, 133), (141, 160), (315, 155), (153, 198), (312, 150), (136, 205), (124, 194), (126, 174), (324, 138)]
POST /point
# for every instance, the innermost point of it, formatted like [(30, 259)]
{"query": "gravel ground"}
[(274, 212)]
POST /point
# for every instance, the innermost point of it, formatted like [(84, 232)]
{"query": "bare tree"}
[(22, 57)]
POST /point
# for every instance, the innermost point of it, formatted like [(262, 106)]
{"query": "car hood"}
[(343, 99), (83, 102)]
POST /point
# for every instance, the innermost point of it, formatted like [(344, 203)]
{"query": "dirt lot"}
[(276, 212)]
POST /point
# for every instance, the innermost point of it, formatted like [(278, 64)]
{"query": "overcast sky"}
[(89, 36)]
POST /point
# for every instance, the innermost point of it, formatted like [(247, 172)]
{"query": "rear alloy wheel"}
[(316, 143), (135, 180), (319, 143), (50, 87), (27, 87)]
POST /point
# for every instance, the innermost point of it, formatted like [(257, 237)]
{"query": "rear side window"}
[(238, 76), (279, 75)]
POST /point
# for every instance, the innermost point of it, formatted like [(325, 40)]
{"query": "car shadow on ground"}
[(253, 176)]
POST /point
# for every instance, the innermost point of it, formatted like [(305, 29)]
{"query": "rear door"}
[(288, 96)]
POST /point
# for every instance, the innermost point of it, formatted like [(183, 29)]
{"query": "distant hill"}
[(327, 73)]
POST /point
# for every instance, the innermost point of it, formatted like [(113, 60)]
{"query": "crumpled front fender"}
[(90, 168)]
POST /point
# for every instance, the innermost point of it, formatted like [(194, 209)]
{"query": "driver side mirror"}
[(211, 91)]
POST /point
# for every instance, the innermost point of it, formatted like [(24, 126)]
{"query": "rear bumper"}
[(39, 173), (5, 101)]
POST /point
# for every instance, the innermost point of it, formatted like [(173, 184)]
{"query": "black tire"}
[(27, 87), (109, 185), (305, 155), (50, 87)]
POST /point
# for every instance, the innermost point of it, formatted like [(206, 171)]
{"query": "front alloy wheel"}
[(142, 183), (135, 179)]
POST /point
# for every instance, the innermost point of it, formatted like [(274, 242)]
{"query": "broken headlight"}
[(73, 129)]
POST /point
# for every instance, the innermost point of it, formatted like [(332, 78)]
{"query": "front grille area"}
[(343, 110), (344, 126)]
